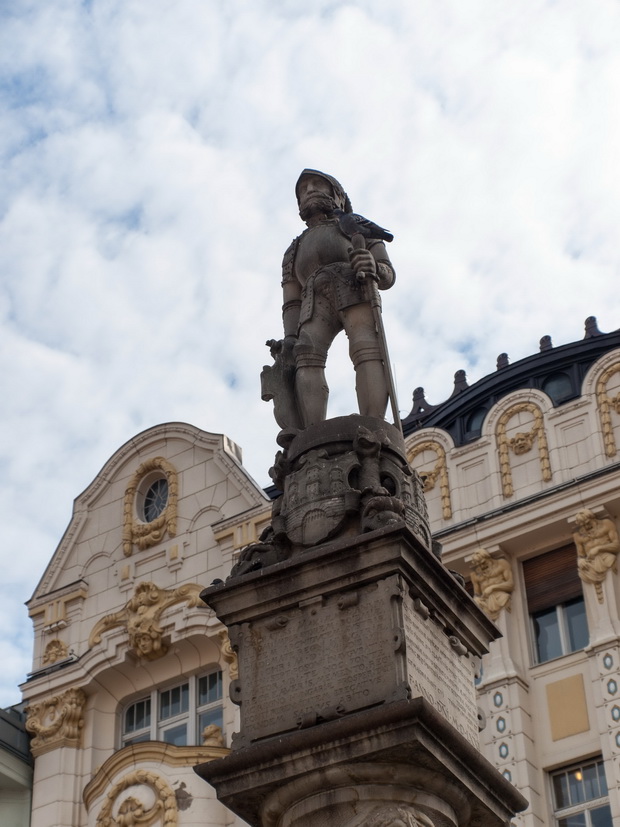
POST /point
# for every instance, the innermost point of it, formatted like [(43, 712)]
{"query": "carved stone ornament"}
[(394, 815), (521, 443), (132, 812), (438, 472), (229, 655), (145, 535), (605, 405), (597, 545), (56, 722), (141, 615), (493, 582), (54, 651), (212, 736)]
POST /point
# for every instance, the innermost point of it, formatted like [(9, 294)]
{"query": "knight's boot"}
[(371, 388), (312, 394)]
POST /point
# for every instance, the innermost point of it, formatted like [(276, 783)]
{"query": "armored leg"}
[(370, 380), (311, 386)]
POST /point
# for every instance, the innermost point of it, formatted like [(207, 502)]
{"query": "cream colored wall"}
[(83, 606), (518, 505)]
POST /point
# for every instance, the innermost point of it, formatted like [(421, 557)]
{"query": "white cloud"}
[(149, 153)]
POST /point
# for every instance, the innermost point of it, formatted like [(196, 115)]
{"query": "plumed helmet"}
[(339, 193)]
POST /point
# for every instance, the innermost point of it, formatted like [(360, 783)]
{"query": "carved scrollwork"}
[(229, 655), (521, 443), (56, 721), (145, 535), (132, 811), (597, 545), (54, 651), (439, 471), (141, 615), (605, 405)]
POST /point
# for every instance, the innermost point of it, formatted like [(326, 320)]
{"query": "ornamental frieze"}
[(141, 617), (438, 473), (521, 443), (56, 721), (607, 404)]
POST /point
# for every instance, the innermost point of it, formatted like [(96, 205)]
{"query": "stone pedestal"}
[(356, 665)]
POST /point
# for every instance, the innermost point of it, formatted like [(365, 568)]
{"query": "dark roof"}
[(557, 371)]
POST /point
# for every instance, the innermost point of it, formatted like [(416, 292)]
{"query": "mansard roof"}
[(557, 371)]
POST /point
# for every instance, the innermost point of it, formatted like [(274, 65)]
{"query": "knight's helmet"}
[(340, 196)]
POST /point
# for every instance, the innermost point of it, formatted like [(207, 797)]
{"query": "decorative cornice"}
[(154, 752), (56, 721), (141, 615), (440, 470), (145, 535), (521, 443)]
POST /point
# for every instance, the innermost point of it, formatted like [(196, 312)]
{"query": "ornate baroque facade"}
[(521, 473)]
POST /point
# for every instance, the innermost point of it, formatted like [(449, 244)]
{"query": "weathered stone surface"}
[(340, 478), (348, 626), (400, 754)]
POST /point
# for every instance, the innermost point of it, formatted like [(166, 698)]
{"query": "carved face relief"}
[(521, 443)]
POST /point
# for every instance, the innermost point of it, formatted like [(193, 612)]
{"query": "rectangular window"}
[(555, 604), (183, 712), (580, 796)]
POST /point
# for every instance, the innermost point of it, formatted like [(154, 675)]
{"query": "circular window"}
[(155, 499)]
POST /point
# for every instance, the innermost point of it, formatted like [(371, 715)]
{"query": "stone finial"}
[(493, 582), (460, 382), (420, 405), (597, 545), (502, 361), (591, 326), (546, 343)]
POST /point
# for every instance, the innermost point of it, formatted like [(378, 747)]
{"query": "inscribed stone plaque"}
[(324, 658), (439, 674)]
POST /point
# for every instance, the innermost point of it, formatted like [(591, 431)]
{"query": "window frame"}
[(563, 631), (190, 716), (551, 583), (587, 805)]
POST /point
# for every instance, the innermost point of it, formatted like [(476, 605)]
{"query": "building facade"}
[(130, 679), (522, 479)]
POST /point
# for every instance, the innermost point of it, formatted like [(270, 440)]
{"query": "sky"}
[(149, 153)]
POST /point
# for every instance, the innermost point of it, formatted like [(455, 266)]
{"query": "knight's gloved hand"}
[(363, 262)]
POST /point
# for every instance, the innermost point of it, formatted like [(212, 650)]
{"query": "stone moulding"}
[(439, 471), (141, 616), (132, 811), (154, 752), (145, 535), (522, 443), (56, 721), (605, 406)]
